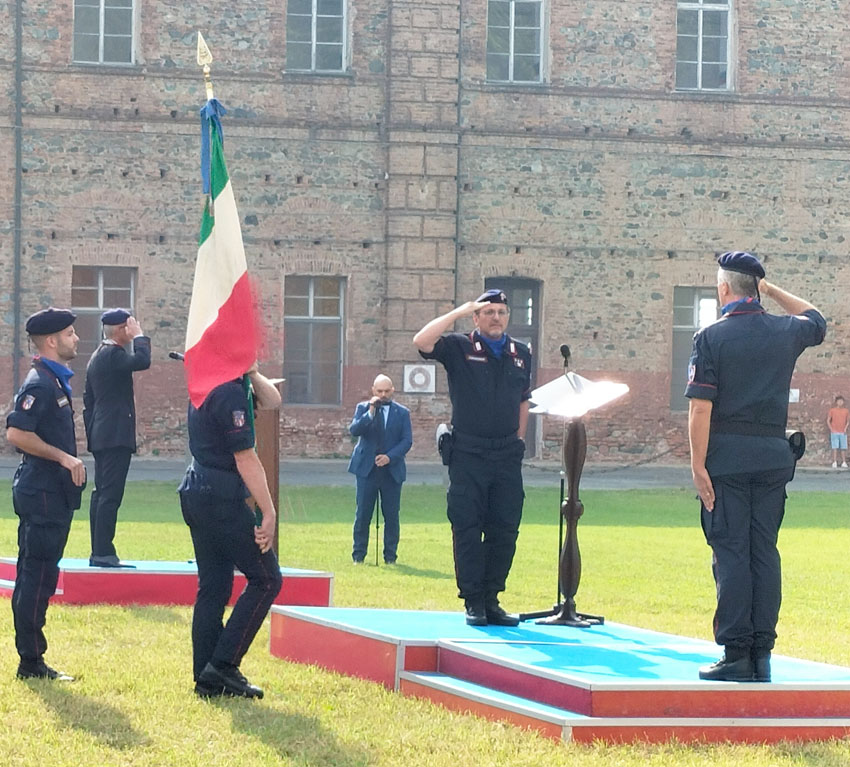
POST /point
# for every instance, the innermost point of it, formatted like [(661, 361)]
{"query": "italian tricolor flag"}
[(221, 334)]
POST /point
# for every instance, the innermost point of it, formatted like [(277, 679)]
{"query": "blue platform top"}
[(612, 654)]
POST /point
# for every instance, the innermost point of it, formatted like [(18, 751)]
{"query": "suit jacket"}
[(109, 408), (397, 440)]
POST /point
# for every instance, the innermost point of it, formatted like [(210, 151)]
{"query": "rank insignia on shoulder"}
[(238, 418), (28, 402)]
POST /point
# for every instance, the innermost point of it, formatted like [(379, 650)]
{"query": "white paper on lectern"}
[(571, 395)]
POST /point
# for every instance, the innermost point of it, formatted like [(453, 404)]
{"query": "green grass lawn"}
[(644, 563)]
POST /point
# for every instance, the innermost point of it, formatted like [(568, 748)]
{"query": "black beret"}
[(493, 296), (50, 320), (115, 316), (741, 261)]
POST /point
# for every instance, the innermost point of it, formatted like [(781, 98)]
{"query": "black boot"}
[(475, 614), (496, 615), (735, 666), (761, 665)]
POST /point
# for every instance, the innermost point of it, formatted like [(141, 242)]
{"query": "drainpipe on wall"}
[(17, 205), (459, 146)]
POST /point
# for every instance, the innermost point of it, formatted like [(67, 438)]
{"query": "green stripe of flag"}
[(218, 180)]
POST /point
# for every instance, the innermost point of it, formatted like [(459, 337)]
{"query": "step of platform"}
[(161, 583), (630, 678), (562, 724)]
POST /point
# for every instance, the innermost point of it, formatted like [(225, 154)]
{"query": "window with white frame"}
[(315, 35), (702, 45), (103, 31), (514, 40), (93, 290), (693, 309), (312, 345)]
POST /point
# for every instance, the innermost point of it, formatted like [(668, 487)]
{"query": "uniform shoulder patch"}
[(692, 372), (28, 402), (238, 418)]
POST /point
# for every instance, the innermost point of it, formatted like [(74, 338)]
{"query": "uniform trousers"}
[(223, 537), (378, 481), (43, 527), (742, 531), (110, 477), (485, 500)]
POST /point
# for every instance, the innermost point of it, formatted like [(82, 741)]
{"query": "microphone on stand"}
[(565, 353)]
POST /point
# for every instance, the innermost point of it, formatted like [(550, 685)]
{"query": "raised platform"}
[(161, 583), (612, 682)]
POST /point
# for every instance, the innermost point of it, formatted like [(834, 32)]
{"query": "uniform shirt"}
[(43, 406), (220, 427), (485, 391), (743, 364)]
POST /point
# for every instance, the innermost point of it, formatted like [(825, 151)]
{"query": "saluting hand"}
[(133, 327)]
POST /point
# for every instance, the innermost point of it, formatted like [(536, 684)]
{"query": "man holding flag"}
[(224, 387)]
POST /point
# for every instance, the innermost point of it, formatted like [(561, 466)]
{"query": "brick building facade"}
[(391, 157)]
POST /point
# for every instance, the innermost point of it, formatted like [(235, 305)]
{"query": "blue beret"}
[(115, 316), (493, 296), (50, 320), (741, 261)]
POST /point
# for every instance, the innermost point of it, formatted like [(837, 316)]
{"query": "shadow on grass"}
[(409, 570), (297, 738), (164, 614), (104, 723)]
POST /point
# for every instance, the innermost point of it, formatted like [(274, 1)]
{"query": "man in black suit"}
[(109, 415)]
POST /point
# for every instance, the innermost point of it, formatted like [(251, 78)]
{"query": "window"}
[(315, 35), (514, 40), (312, 327), (94, 289), (693, 308), (702, 45), (103, 31)]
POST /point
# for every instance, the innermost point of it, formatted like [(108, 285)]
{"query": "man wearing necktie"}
[(382, 427)]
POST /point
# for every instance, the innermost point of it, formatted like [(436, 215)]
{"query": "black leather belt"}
[(748, 429)]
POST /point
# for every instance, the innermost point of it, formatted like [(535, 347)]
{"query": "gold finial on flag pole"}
[(204, 60)]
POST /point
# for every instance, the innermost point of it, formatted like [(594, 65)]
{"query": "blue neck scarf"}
[(748, 304), (497, 347), (62, 372)]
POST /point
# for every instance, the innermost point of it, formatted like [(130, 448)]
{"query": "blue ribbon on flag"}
[(211, 112)]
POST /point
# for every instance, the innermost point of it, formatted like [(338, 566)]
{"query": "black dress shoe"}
[(496, 616), (230, 679), (740, 670), (761, 668), (475, 614), (40, 670)]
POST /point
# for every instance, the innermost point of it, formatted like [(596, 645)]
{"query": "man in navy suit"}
[(384, 437), (109, 416)]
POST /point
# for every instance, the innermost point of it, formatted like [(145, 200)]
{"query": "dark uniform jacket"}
[(743, 364), (485, 391), (43, 406), (220, 427), (109, 408)]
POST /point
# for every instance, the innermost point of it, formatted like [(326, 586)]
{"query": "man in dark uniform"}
[(489, 376), (224, 471), (48, 483), (109, 416), (738, 384)]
